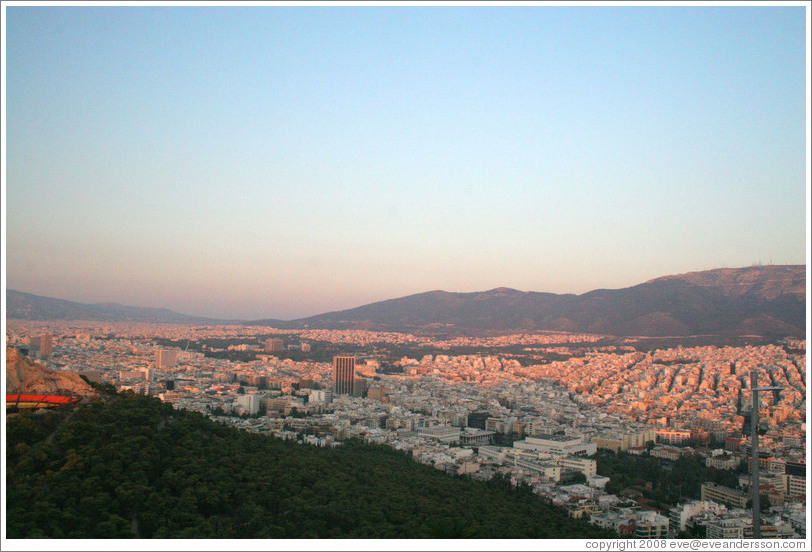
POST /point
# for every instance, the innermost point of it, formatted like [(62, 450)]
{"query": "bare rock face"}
[(23, 376), (767, 282)]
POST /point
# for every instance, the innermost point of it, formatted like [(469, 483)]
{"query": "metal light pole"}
[(755, 485)]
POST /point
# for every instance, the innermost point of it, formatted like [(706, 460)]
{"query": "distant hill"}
[(760, 300), (27, 306)]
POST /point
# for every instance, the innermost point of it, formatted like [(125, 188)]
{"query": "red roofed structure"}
[(38, 401)]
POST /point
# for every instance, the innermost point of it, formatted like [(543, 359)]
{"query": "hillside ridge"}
[(767, 300)]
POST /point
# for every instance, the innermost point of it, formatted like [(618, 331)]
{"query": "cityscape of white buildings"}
[(446, 410)]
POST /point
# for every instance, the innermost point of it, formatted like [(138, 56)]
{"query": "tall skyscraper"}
[(343, 374)]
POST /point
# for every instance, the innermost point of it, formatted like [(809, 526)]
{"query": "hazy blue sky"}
[(283, 162)]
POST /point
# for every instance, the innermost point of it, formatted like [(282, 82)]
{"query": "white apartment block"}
[(249, 403), (673, 436), (680, 515), (728, 529), (723, 495), (794, 485), (624, 441), (586, 466), (650, 525), (724, 462)]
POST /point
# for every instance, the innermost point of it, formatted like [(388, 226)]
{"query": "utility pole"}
[(755, 485)]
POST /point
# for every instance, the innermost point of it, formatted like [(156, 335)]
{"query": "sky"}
[(281, 162)]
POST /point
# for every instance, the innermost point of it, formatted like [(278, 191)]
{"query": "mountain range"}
[(760, 300), (766, 300), (27, 306)]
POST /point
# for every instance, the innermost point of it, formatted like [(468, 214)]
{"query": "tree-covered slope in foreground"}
[(130, 466)]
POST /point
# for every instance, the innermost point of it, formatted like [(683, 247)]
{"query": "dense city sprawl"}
[(563, 413)]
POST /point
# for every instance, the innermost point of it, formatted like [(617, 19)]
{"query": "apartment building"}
[(723, 495)]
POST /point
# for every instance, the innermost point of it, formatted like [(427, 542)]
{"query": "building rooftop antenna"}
[(755, 485)]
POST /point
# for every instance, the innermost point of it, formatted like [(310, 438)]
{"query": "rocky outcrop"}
[(23, 376)]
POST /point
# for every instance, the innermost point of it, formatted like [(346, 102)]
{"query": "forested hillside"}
[(130, 466)]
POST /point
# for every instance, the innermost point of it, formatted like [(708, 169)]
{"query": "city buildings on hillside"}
[(448, 410)]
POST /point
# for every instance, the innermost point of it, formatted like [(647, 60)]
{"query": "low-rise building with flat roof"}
[(723, 495), (557, 444), (444, 434)]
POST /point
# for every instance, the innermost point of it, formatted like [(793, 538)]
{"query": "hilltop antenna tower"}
[(755, 485)]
